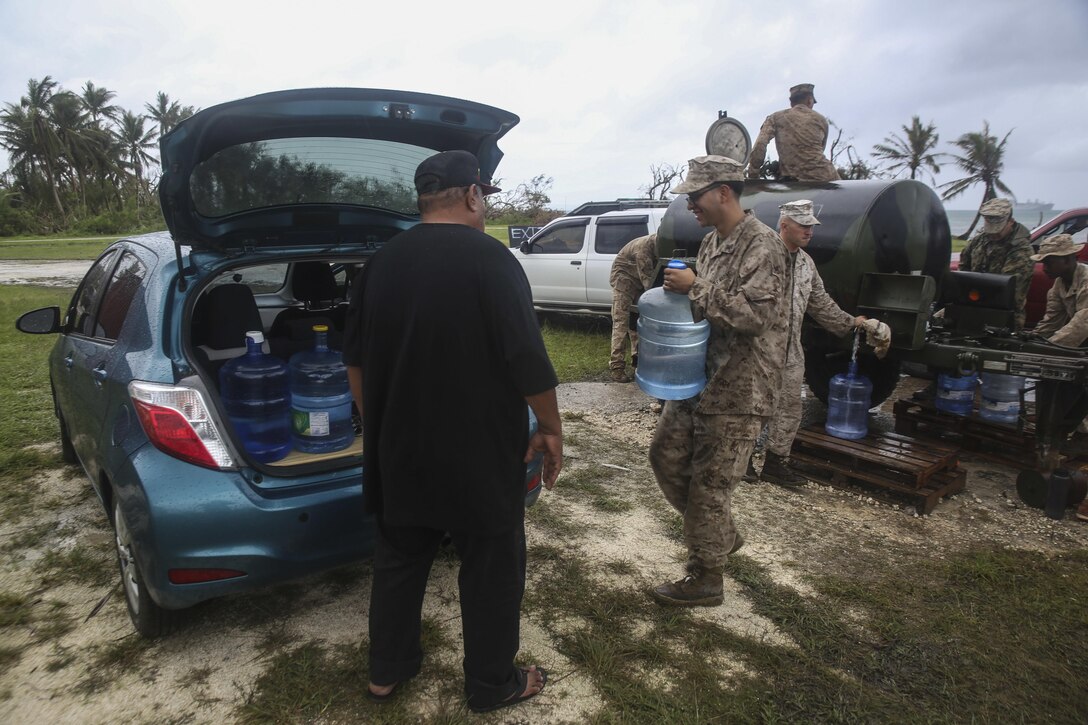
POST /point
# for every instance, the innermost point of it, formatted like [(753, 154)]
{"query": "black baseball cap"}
[(449, 170)]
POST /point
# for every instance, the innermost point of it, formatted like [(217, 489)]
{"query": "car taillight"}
[(177, 422)]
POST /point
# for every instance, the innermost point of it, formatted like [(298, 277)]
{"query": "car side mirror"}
[(40, 322), (525, 246)]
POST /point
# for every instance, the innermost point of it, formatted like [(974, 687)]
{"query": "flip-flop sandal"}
[(509, 702), (375, 697)]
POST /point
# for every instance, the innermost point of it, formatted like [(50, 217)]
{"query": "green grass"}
[(88, 248), (15, 609), (984, 637), (500, 232), (578, 346), (25, 397), (311, 683)]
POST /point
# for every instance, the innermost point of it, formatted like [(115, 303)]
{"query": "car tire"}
[(149, 619), (67, 450)]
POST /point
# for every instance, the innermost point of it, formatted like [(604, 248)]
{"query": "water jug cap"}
[(321, 328), (256, 335), (676, 264)]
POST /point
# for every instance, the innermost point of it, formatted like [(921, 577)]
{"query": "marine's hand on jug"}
[(679, 280)]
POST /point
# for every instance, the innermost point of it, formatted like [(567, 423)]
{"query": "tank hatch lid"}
[(728, 137)]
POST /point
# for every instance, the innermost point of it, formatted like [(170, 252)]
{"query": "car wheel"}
[(67, 450), (149, 619)]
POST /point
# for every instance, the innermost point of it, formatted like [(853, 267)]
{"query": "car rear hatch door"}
[(320, 166)]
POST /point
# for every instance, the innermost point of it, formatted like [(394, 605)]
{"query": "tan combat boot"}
[(700, 588), (619, 375)]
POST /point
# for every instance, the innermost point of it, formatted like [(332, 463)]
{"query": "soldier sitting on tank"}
[(632, 274), (1002, 247), (796, 224), (800, 135)]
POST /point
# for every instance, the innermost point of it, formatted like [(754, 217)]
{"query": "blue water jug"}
[(955, 394), (671, 345), (255, 392), (848, 402), (1000, 398), (320, 398)]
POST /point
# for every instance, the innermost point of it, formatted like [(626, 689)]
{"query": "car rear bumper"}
[(185, 518)]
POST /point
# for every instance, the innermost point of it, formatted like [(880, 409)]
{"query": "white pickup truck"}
[(568, 261)]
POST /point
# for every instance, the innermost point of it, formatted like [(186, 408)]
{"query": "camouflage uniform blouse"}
[(800, 135), (741, 290), (810, 296), (634, 266), (1066, 318), (1010, 255)]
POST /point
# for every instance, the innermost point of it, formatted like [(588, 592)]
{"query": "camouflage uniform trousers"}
[(698, 459), (622, 300), (783, 425)]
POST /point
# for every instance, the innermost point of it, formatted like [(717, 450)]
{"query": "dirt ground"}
[(91, 668)]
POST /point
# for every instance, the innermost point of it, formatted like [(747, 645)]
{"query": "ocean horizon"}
[(960, 219)]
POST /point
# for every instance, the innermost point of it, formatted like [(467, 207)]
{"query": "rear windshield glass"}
[(308, 171)]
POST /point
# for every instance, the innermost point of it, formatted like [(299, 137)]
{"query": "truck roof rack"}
[(601, 207)]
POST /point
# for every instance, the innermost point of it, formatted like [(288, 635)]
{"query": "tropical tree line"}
[(980, 156), (80, 162)]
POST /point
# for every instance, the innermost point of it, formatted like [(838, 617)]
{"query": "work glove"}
[(879, 335)]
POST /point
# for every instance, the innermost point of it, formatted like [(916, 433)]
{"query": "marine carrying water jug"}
[(671, 345), (955, 393), (849, 397), (1000, 398), (320, 398), (255, 392)]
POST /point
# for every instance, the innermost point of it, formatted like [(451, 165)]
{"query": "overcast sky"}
[(605, 89)]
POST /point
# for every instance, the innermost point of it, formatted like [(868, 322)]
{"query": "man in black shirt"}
[(445, 447)]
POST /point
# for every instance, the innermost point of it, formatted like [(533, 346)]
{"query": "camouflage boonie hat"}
[(995, 213), (802, 88), (704, 171), (799, 211), (1059, 245)]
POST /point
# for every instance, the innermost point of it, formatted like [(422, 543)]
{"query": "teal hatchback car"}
[(273, 204)]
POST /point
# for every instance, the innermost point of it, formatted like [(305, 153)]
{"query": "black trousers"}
[(491, 583)]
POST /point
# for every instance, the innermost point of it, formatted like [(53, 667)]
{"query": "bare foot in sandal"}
[(535, 679)]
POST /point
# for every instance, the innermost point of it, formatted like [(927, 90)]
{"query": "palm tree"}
[(96, 101), (914, 150), (983, 159), (135, 142), (167, 113), (77, 138), (29, 134)]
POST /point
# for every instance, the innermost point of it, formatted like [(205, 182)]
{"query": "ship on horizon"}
[(1033, 205)]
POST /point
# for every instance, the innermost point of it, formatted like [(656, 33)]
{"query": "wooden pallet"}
[(1004, 444), (922, 471)]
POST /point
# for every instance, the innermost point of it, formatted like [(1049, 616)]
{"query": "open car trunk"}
[(283, 300)]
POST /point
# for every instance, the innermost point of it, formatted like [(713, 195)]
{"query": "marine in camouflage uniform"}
[(632, 274), (1002, 247), (1066, 319), (701, 445), (806, 294), (800, 135)]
